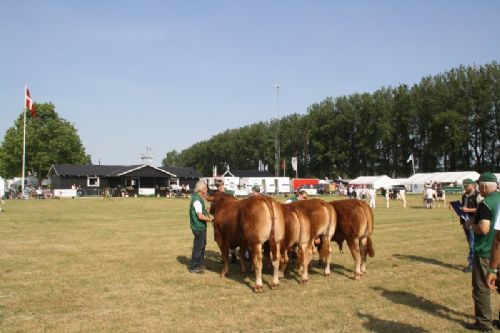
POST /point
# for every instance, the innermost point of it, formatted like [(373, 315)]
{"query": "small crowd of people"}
[(369, 194), (480, 222), (29, 192)]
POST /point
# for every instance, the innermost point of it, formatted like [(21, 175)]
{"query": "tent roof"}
[(442, 177), (365, 180)]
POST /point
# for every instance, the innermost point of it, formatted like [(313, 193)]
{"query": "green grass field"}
[(120, 265)]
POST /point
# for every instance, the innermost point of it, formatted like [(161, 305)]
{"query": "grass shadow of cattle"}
[(388, 326), (315, 268), (425, 260), (421, 303), (213, 263)]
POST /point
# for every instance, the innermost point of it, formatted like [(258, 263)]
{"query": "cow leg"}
[(305, 257), (363, 250), (257, 262), (300, 258), (224, 249), (275, 257), (241, 257), (326, 253), (284, 260), (267, 255), (354, 247)]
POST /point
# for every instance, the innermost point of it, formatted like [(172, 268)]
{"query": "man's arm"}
[(199, 212), (494, 262), (204, 218), (482, 228)]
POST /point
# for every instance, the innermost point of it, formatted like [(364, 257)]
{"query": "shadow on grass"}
[(387, 326), (213, 263), (427, 261), (421, 303), (317, 268)]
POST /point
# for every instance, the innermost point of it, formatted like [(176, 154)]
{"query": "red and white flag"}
[(28, 102)]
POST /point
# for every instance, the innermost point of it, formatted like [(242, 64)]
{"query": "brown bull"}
[(247, 224), (294, 224), (321, 220), (355, 225)]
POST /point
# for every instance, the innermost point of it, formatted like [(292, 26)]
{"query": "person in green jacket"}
[(484, 233), (300, 195), (198, 217)]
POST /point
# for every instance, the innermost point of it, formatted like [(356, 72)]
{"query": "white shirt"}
[(197, 206), (497, 219), (429, 193)]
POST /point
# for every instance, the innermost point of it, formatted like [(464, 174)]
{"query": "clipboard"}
[(457, 207)]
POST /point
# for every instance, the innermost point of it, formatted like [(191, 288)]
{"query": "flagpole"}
[(24, 144), (413, 163)]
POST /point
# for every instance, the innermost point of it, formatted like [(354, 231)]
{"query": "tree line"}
[(447, 122)]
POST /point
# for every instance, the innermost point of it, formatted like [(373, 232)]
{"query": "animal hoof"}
[(223, 274), (275, 286), (357, 276), (328, 273), (258, 289)]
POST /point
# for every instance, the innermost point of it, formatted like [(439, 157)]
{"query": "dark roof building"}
[(134, 179)]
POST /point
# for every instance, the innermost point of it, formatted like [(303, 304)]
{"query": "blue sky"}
[(166, 74)]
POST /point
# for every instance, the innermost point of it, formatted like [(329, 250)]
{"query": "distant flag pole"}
[(28, 105), (412, 162)]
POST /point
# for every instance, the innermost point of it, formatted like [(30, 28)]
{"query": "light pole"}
[(277, 134)]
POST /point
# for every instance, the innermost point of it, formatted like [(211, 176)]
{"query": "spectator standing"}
[(198, 217), (371, 196), (484, 233), (469, 206)]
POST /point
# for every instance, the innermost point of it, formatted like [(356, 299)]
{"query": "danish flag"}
[(28, 103)]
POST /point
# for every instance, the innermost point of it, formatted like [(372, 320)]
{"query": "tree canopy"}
[(49, 140), (449, 121)]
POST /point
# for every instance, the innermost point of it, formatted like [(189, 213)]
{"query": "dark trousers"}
[(469, 235), (200, 240), (480, 291)]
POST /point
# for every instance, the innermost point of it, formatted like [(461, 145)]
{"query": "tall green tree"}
[(49, 140), (449, 121)]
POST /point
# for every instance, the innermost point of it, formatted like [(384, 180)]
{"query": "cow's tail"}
[(331, 222), (325, 247), (368, 232), (270, 206)]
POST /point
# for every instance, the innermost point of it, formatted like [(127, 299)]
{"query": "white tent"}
[(417, 182), (375, 181), (2, 187)]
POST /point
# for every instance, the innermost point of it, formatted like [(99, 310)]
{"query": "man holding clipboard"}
[(468, 207)]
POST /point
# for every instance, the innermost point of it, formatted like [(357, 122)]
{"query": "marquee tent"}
[(417, 182), (376, 181)]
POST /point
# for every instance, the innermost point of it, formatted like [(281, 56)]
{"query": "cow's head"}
[(217, 199)]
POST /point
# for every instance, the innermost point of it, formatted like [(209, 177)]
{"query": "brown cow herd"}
[(269, 229)]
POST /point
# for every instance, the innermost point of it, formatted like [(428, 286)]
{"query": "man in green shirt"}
[(198, 217), (484, 233), (301, 195)]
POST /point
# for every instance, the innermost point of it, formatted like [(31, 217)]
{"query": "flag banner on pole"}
[(28, 102), (294, 163), (410, 158)]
